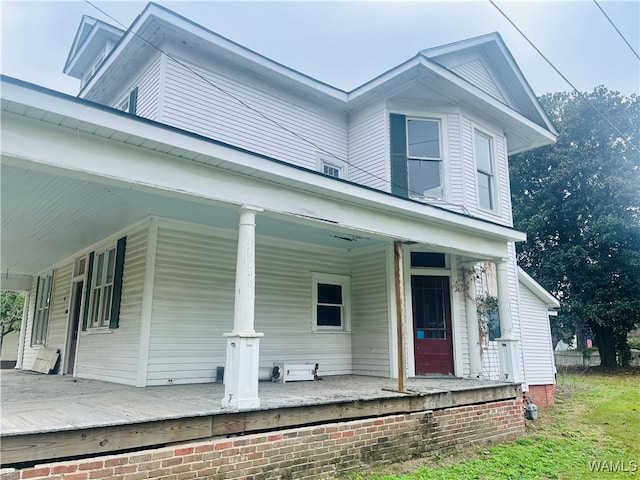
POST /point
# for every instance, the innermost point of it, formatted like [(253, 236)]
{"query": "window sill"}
[(338, 332), (97, 331)]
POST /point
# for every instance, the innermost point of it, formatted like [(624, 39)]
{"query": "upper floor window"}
[(424, 159), (333, 167), (129, 103), (41, 312), (484, 165)]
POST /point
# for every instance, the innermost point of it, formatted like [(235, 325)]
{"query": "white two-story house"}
[(200, 206)]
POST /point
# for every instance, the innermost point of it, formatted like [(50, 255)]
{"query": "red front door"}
[(432, 338)]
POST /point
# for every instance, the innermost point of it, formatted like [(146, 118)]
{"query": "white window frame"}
[(344, 281), (331, 162), (42, 309), (493, 197), (439, 159), (103, 311)]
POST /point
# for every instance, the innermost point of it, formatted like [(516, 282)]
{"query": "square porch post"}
[(243, 343)]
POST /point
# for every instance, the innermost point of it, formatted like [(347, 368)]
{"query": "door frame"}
[(71, 318), (456, 313)]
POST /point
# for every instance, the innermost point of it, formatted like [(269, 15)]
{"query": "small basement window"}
[(331, 297)]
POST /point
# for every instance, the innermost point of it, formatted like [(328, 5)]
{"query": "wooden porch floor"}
[(47, 417)]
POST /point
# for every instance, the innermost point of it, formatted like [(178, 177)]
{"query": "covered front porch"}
[(223, 245), (55, 417)]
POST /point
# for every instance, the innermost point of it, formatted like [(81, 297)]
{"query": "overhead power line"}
[(617, 29), (258, 112), (580, 94)]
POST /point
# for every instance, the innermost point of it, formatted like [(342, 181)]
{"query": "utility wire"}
[(580, 94), (263, 115), (617, 30)]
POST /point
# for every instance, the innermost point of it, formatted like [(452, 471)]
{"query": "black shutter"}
[(399, 178), (117, 283), (133, 101), (35, 314), (87, 293)]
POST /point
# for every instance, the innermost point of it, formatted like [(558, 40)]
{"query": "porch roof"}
[(46, 133)]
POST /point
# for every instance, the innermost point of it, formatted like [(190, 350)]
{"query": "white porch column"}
[(504, 307), (473, 330), (243, 344), (508, 344)]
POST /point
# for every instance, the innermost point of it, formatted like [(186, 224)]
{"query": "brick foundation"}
[(542, 395), (316, 452)]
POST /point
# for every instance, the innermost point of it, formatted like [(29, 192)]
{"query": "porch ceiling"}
[(47, 217)]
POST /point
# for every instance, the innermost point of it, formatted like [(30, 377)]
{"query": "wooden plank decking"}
[(48, 417)]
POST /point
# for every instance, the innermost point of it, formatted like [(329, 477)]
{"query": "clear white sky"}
[(347, 43)]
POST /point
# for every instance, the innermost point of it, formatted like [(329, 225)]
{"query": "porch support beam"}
[(471, 313), (23, 330), (508, 344), (400, 315), (243, 343)]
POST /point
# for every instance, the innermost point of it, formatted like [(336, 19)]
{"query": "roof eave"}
[(72, 108)]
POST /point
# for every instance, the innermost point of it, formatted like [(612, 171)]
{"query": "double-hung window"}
[(41, 313), (104, 286), (331, 303), (484, 165), (424, 158)]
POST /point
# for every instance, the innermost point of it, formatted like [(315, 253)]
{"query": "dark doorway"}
[(74, 326), (432, 337)]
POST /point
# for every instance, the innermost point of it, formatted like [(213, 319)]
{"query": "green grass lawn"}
[(593, 431)]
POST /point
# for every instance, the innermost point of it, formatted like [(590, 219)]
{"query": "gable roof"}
[(487, 62), (90, 38), (537, 289), (509, 101)]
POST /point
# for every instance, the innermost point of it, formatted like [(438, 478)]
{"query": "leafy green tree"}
[(579, 202), (11, 305)]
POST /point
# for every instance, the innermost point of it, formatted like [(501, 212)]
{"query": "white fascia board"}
[(421, 61), (495, 38), (109, 120), (96, 29), (525, 85), (86, 22), (459, 45), (537, 289)]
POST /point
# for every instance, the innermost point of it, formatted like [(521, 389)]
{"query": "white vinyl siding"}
[(192, 306), (192, 104), (477, 74), (148, 84), (113, 356), (194, 297), (368, 157), (456, 186), (460, 321), (536, 332), (370, 314)]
